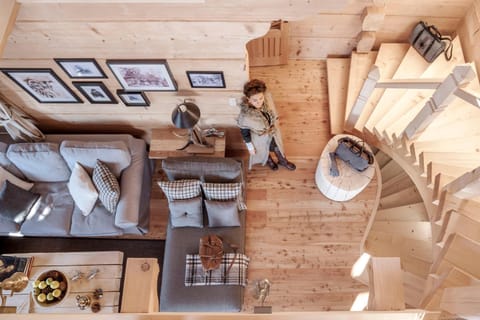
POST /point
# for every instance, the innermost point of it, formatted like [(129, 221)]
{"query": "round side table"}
[(349, 182)]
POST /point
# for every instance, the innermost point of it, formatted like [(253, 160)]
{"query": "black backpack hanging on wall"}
[(429, 43)]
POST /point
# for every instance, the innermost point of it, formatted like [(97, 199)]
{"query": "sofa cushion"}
[(7, 176), (107, 186), (113, 153), (6, 163), (186, 213), (180, 189), (82, 190), (204, 168), (40, 161), (58, 221), (98, 223), (222, 213), (15, 202), (222, 191)]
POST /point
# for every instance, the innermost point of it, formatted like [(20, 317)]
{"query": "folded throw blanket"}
[(195, 276)]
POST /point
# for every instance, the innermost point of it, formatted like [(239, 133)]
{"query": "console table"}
[(108, 278), (164, 143)]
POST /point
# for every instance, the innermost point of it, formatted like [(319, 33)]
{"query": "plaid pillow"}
[(225, 191), (222, 191), (107, 186), (180, 189)]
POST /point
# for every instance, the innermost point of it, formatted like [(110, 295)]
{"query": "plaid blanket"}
[(195, 276)]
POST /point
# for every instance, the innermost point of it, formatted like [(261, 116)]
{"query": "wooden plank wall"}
[(206, 35), (335, 33), (200, 35)]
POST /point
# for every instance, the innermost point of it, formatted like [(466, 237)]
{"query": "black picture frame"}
[(133, 99), (85, 68), (95, 92), (206, 79), (42, 84), (143, 75)]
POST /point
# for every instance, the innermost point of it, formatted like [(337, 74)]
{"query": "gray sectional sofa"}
[(180, 241), (48, 165)]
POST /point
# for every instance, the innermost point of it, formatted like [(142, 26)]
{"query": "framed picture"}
[(206, 79), (95, 92), (133, 99), (143, 75), (43, 85), (81, 68)]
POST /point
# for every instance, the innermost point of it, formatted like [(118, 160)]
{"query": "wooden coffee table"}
[(108, 278)]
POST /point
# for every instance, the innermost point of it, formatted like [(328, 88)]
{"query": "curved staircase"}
[(429, 211)]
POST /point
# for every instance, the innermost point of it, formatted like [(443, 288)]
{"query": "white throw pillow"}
[(5, 175), (82, 190)]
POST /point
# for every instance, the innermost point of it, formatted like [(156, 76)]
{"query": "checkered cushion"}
[(107, 186), (180, 189), (225, 191), (221, 191)]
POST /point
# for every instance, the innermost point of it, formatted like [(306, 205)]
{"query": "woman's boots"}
[(282, 160), (271, 163)]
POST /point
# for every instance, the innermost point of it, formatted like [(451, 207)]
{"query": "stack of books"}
[(11, 264)]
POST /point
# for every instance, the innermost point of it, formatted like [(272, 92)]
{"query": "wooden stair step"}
[(409, 212), (396, 184), (464, 301), (412, 66), (382, 158), (386, 284), (404, 197), (457, 128), (455, 222), (413, 287), (337, 76), (470, 208), (389, 57), (390, 170), (458, 251), (440, 181), (360, 66), (436, 284), (461, 144), (461, 159), (434, 168), (417, 230), (413, 99), (387, 244)]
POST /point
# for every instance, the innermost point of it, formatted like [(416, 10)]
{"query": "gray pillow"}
[(39, 161), (15, 203), (7, 164), (222, 213), (186, 213)]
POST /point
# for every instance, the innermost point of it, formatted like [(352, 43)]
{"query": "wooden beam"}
[(337, 77), (365, 41), (386, 284), (8, 16), (372, 18), (444, 94)]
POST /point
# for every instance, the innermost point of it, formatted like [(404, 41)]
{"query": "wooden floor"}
[(304, 243)]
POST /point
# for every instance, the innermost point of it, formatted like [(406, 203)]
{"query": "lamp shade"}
[(185, 115)]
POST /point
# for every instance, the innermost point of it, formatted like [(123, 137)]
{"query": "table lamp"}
[(186, 116)]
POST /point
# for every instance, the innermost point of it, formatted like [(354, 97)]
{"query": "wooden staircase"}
[(429, 209)]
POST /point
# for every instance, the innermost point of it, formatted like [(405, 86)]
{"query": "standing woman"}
[(259, 126)]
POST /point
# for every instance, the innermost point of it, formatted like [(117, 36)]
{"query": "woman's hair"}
[(253, 87)]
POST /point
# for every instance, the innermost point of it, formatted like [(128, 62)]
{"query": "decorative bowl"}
[(50, 288)]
